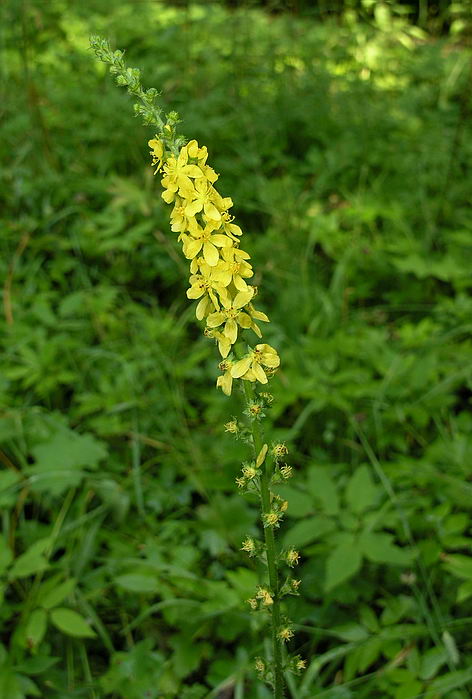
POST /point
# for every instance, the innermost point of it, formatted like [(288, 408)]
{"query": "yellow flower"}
[(250, 367), (157, 153), (224, 345), (265, 596), (249, 546), (285, 633), (292, 557), (225, 382), (203, 238), (201, 196), (233, 267), (231, 315), (229, 227), (177, 175)]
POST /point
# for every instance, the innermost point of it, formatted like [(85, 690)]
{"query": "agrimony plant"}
[(219, 274)]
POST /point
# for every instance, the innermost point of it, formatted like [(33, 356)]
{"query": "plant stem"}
[(270, 548)]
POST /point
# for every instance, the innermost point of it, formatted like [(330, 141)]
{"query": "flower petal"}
[(242, 298), (259, 372), (210, 253), (231, 330), (215, 319), (241, 367)]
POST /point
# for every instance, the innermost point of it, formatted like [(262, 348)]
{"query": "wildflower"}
[(286, 471), (177, 175), (279, 450), (249, 472), (232, 427), (225, 382), (295, 584), (251, 366), (249, 546), (265, 596), (255, 409), (224, 345), (252, 603), (204, 239), (231, 316), (272, 519), (300, 664), (157, 153), (201, 196), (240, 482), (292, 557), (233, 266), (259, 665), (285, 633)]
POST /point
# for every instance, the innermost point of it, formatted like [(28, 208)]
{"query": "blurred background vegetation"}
[(342, 131)]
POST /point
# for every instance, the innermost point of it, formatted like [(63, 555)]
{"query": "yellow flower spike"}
[(261, 456)]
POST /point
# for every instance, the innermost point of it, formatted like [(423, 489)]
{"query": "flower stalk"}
[(218, 282)]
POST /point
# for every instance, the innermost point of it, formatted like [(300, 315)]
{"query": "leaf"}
[(31, 561), (62, 461), (361, 492), (6, 555), (9, 481), (300, 504), (55, 596), (308, 530), (342, 563), (323, 488), (409, 690), (431, 661), (35, 628), (459, 565), (138, 582), (70, 622), (378, 548), (464, 591), (350, 632)]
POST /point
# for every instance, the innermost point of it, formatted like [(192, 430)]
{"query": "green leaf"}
[(31, 561), (464, 591), (9, 481), (458, 565), (361, 493), (409, 690), (138, 582), (300, 504), (71, 623), (323, 488), (431, 661), (35, 628), (62, 461), (350, 632), (378, 548), (343, 562), (55, 596), (6, 555), (308, 530)]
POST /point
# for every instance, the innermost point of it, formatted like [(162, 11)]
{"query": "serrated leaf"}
[(71, 623), (361, 492), (342, 563)]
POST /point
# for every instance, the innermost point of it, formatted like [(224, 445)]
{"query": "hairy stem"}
[(270, 548)]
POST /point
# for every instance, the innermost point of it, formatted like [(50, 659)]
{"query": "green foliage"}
[(347, 149)]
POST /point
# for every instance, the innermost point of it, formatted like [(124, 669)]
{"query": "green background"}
[(345, 141)]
